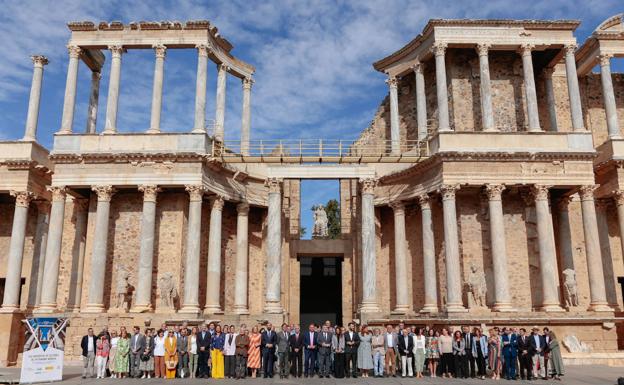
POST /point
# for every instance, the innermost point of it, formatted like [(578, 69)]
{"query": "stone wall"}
[(593, 104)]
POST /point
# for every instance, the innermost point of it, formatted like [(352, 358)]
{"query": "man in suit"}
[(352, 341), (537, 347), (268, 342), (183, 354), (296, 345), (510, 351), (310, 343), (525, 356), (88, 354), (468, 361), (390, 346), (137, 345), (325, 343), (406, 349), (229, 352), (204, 338), (283, 347), (546, 338)]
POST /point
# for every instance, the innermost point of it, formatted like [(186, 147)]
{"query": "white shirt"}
[(193, 340), (114, 342), (419, 343), (389, 340), (90, 347), (159, 346), (311, 338)]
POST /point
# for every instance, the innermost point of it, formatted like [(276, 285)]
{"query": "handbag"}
[(171, 364)]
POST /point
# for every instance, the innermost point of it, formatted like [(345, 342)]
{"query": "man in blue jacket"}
[(510, 352), (310, 344)]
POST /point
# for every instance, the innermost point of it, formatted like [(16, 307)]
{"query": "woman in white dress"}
[(419, 352), (113, 351)]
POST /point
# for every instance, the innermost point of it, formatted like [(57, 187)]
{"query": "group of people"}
[(216, 351)]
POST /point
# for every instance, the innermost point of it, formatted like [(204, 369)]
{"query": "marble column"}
[(598, 293), (369, 256), (53, 252), (220, 109), (429, 262), (41, 236), (550, 98), (157, 88), (439, 49), (274, 248), (95, 303), (200, 88), (487, 114), (143, 300), (498, 244), (112, 101), (213, 290), (529, 87), (32, 118), (618, 197), (547, 256), (94, 97), (564, 233), (454, 301), (80, 219), (190, 302), (246, 116), (574, 94), (242, 259), (613, 126), (69, 103), (395, 142), (403, 300), (421, 101), (11, 301)]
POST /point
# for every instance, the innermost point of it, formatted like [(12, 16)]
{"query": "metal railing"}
[(318, 150)]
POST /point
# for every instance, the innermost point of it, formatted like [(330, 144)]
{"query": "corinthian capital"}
[(22, 198), (217, 202), (39, 60), (247, 83), (525, 49), (587, 192), (160, 50), (392, 82), (223, 67), (397, 206), (540, 192), (494, 191), (202, 50), (418, 67), (439, 49), (605, 59), (483, 49), (242, 208), (74, 51), (196, 192), (150, 192), (116, 50), (448, 191), (570, 49), (273, 184), (104, 192), (368, 185), (424, 200), (618, 197), (58, 193)]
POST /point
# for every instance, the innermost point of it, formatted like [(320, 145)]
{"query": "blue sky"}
[(314, 77)]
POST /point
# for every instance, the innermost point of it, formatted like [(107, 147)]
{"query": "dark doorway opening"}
[(321, 291)]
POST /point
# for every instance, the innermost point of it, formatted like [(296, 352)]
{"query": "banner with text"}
[(42, 360)]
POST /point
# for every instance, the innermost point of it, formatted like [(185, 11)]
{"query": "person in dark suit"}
[(546, 338), (406, 351), (283, 351), (352, 342), (310, 343), (510, 351), (204, 338), (137, 346), (537, 342), (87, 344), (296, 352), (468, 360), (325, 338), (525, 355), (268, 342)]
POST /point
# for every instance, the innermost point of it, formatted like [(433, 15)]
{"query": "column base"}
[(369, 307), (190, 309), (212, 309), (455, 308), (73, 309), (241, 309), (45, 308), (599, 307), (64, 132), (538, 129), (142, 309), (93, 308), (28, 139), (400, 309), (491, 129), (153, 131), (615, 136), (503, 307), (273, 307), (109, 131), (9, 309), (552, 308), (429, 308), (198, 130), (444, 129)]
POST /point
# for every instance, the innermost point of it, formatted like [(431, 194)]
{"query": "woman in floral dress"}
[(433, 351), (122, 356), (494, 353)]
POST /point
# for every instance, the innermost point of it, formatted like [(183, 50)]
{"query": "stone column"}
[(395, 142), (99, 255), (93, 102), (16, 252), (547, 256), (69, 103), (369, 257), (200, 89), (190, 302), (502, 296), (618, 197), (429, 263), (439, 49), (213, 290), (400, 260), (421, 101), (81, 209), (529, 87), (157, 89), (564, 234), (246, 116), (608, 95), (143, 301), (53, 251), (598, 293), (242, 260), (274, 249), (220, 110), (41, 236), (550, 97), (487, 114), (32, 118), (454, 302), (573, 88), (112, 101)]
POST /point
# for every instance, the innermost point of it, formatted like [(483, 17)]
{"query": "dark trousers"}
[(135, 359), (510, 364), (351, 364), (282, 363), (526, 366), (469, 365), (203, 363), (241, 366), (268, 362), (296, 363), (229, 366), (310, 361), (324, 361), (480, 364), (446, 363), (459, 362), (339, 365)]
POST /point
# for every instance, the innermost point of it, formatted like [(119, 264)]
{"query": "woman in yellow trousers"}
[(216, 353), (171, 355)]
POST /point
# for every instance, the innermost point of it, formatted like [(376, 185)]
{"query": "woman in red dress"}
[(253, 361)]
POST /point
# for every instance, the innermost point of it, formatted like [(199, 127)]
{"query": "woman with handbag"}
[(147, 356), (159, 354), (171, 355), (101, 355)]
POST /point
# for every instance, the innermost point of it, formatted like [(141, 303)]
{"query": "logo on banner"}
[(44, 350)]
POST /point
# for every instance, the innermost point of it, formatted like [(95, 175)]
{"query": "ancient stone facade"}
[(488, 178)]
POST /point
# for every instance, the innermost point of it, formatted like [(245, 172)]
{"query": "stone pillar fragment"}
[(69, 104), (13, 281), (157, 89), (246, 116), (608, 95), (32, 118), (41, 236), (454, 302), (242, 259), (487, 114), (81, 210), (213, 291), (576, 109), (112, 102), (220, 110), (403, 300), (550, 98), (395, 141), (274, 249), (421, 101), (94, 97), (439, 49), (369, 256), (529, 87), (190, 302), (200, 88), (429, 264)]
